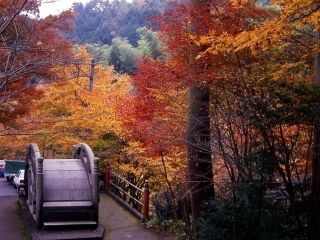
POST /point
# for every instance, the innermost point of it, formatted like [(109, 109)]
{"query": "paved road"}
[(6, 189), (11, 223)]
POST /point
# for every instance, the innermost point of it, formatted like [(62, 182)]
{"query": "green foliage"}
[(250, 216), (107, 142), (101, 53), (123, 55), (176, 228), (107, 147), (149, 43)]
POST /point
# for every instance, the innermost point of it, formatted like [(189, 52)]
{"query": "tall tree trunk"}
[(200, 175), (315, 211)]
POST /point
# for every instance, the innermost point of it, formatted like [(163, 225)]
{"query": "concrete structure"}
[(63, 192)]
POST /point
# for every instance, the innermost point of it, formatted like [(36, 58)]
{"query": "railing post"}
[(107, 179), (39, 191), (146, 193), (95, 188), (95, 181), (74, 149)]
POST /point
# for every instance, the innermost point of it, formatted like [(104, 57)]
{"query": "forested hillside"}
[(119, 32), (100, 21)]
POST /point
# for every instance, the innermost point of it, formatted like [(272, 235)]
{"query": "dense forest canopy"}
[(119, 32), (100, 21)]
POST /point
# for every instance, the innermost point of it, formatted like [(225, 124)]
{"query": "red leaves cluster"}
[(29, 50), (181, 28), (153, 122)]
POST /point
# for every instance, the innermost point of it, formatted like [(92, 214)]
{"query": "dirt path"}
[(121, 225)]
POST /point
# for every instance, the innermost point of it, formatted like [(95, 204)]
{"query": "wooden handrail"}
[(136, 200), (126, 181), (113, 182)]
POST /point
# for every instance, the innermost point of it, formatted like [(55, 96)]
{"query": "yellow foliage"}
[(68, 113), (289, 17)]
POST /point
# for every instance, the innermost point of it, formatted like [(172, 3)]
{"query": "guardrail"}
[(131, 196)]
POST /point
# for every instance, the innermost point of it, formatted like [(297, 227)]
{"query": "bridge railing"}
[(134, 198)]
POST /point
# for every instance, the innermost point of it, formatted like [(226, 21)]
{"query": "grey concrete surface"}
[(12, 226), (121, 225), (7, 189)]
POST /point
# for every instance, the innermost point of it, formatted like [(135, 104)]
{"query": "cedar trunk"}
[(315, 211), (200, 175)]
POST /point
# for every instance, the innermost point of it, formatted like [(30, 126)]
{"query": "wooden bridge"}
[(65, 192)]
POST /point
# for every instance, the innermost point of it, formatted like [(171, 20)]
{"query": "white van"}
[(2, 166), (18, 180)]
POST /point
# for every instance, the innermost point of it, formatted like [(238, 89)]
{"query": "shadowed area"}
[(12, 226)]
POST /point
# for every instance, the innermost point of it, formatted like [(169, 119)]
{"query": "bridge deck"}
[(65, 180), (119, 224)]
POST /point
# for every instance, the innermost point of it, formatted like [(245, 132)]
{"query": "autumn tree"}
[(182, 26), (283, 47), (69, 113), (29, 47), (154, 119)]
